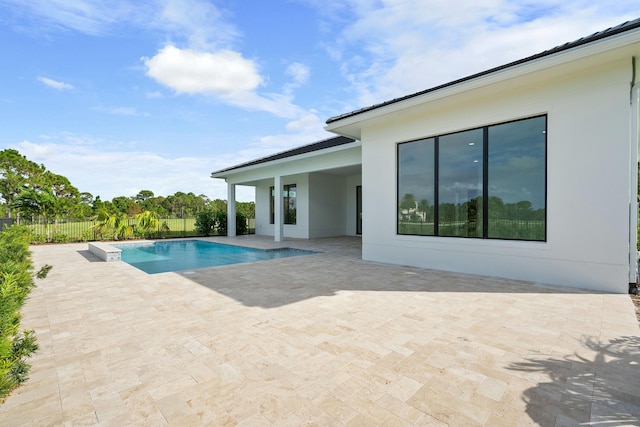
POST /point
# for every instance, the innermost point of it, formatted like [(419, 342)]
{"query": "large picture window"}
[(487, 183), (416, 185), (460, 184), (289, 207)]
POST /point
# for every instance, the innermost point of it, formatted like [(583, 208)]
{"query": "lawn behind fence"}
[(73, 230)]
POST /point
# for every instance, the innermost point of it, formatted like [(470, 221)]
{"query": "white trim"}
[(536, 65), (290, 159)]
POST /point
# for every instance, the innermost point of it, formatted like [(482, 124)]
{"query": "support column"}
[(277, 210), (231, 209)]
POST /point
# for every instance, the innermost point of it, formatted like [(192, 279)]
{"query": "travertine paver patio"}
[(323, 339)]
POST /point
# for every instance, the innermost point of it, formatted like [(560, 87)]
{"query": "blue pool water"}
[(177, 255)]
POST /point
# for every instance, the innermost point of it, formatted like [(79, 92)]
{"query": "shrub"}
[(148, 224), (221, 223), (60, 238), (205, 222), (164, 229), (16, 281), (241, 224)]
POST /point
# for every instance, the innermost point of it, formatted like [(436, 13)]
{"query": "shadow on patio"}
[(337, 268), (597, 387)]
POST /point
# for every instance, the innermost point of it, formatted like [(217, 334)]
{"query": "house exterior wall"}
[(588, 170), (263, 228), (263, 202), (327, 205), (298, 171)]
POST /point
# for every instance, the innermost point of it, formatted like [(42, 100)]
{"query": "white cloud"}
[(121, 111), (92, 17), (188, 71), (306, 124), (397, 47), (299, 72), (55, 84), (198, 22), (155, 95), (272, 144), (224, 74), (198, 58), (101, 172)]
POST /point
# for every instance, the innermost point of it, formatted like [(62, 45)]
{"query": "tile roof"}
[(626, 26), (316, 146)]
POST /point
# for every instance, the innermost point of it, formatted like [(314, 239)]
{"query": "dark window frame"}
[(286, 212), (485, 182)]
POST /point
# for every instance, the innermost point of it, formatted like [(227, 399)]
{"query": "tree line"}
[(411, 209), (29, 191)]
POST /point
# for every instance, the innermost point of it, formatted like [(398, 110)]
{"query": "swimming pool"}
[(177, 255)]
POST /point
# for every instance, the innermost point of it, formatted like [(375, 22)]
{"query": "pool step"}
[(105, 251)]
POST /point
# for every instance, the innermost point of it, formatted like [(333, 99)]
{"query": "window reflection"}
[(460, 184), (457, 201), (517, 181), (416, 185), (289, 206)]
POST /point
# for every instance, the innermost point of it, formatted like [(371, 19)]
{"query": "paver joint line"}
[(321, 339)]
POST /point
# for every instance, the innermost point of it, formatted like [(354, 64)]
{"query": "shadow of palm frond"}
[(602, 389)]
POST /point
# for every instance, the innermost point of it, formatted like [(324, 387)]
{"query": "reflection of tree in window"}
[(416, 192), (289, 197), (490, 183), (517, 179), (288, 204), (460, 183), (272, 192)]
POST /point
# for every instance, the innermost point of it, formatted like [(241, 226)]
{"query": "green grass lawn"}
[(82, 231)]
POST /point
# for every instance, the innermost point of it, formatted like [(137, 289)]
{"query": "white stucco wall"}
[(326, 162), (299, 230), (327, 205), (263, 228), (588, 184)]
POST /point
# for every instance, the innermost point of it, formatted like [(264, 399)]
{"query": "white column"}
[(277, 210), (231, 209)]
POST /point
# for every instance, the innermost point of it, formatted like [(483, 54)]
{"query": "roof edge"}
[(610, 32), (324, 144)]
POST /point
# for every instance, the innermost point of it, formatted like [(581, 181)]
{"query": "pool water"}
[(177, 255)]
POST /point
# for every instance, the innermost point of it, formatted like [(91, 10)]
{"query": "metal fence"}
[(81, 230), (5, 222)]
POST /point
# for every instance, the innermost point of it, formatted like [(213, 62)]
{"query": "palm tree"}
[(424, 207), (115, 225), (148, 222)]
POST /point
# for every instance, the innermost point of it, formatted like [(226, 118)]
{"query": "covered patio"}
[(307, 192), (322, 339)]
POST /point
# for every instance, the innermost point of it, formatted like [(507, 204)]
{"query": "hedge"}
[(16, 282)]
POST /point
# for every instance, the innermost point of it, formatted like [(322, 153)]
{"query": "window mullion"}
[(436, 199), (485, 182)]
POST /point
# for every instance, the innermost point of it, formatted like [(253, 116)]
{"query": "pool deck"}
[(324, 339)]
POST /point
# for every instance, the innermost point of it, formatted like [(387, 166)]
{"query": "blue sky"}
[(121, 96)]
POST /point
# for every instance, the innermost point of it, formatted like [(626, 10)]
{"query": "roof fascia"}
[(341, 126), (342, 147)]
